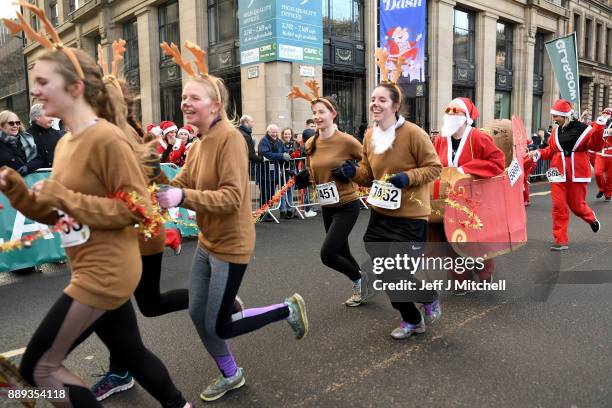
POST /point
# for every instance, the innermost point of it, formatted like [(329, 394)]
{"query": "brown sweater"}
[(331, 153), (215, 180), (88, 166), (413, 153)]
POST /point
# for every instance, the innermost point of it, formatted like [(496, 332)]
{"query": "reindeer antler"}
[(199, 55), (102, 60), (313, 85), (381, 60), (118, 51), (397, 71), (173, 51), (296, 93), (53, 44)]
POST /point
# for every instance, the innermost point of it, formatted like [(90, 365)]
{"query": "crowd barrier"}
[(14, 225), (268, 177)]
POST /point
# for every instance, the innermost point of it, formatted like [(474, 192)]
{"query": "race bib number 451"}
[(385, 195), (72, 232), (328, 193)]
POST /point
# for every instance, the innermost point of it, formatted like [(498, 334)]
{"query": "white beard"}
[(451, 124), (382, 140)]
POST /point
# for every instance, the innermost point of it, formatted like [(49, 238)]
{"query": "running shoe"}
[(222, 385), (600, 194), (406, 330), (112, 383), (596, 225), (297, 315), (310, 213), (361, 292), (559, 247), (608, 199), (432, 312)]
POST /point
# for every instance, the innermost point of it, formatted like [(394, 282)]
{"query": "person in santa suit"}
[(472, 152), (603, 163), (570, 169), (528, 167), (170, 147)]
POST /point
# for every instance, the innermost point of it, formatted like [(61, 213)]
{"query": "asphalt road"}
[(529, 346)]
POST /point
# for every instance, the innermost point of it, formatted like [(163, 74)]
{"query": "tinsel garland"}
[(261, 211)]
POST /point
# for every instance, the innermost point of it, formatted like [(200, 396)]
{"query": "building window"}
[(577, 26), (538, 82), (130, 34), (538, 57), (463, 38), (222, 11), (502, 105), (587, 38), (536, 113), (595, 106), (608, 47), (34, 22), (503, 54), (54, 13), (606, 97), (73, 5), (597, 41), (169, 25), (343, 19)]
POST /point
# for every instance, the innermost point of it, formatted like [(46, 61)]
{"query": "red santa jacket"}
[(176, 155), (477, 154), (607, 148), (575, 166)]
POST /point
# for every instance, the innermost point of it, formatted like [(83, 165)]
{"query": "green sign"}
[(564, 60), (283, 30), (14, 225)]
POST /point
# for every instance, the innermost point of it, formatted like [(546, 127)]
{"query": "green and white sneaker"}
[(361, 292), (297, 315), (222, 385)]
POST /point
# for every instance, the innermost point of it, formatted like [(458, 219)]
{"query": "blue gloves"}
[(399, 180), (345, 172)]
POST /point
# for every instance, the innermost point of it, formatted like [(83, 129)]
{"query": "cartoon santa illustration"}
[(399, 44)]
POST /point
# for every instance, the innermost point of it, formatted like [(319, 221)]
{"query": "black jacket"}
[(13, 155), (46, 140), (248, 138)]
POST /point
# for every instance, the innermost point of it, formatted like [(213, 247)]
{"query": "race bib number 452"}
[(385, 195), (328, 193), (72, 233)]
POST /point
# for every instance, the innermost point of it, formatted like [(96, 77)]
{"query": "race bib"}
[(514, 171), (385, 195), (327, 193), (72, 233), (554, 175)]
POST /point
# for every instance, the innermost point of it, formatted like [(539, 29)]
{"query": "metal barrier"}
[(540, 170)]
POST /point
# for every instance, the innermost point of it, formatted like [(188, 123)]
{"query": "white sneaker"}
[(361, 292), (310, 213)]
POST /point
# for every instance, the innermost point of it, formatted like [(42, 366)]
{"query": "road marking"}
[(13, 353), (542, 193)]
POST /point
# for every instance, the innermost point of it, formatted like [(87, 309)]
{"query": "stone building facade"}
[(492, 51), (13, 90)]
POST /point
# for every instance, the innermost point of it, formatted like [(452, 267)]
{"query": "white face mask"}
[(451, 124)]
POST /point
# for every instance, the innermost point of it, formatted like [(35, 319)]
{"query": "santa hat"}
[(562, 107), (184, 130), (189, 128), (468, 108), (153, 128), (167, 127)]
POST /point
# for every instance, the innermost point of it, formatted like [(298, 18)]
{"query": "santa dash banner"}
[(403, 31), (564, 60)]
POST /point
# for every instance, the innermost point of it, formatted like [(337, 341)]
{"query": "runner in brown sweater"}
[(101, 242), (402, 151), (327, 150), (215, 184)]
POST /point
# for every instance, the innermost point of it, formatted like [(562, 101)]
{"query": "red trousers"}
[(528, 167), (568, 196), (603, 175), (173, 238)]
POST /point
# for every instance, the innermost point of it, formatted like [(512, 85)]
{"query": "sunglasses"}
[(451, 110), (16, 123)]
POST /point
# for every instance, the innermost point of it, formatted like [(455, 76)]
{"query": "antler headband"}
[(313, 97), (118, 47), (173, 51), (53, 44)]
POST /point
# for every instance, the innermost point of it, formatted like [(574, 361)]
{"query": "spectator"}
[(290, 146), (311, 129), (174, 148), (271, 148), (246, 129), (17, 148), (45, 136)]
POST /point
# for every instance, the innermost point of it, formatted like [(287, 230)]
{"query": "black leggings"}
[(387, 236), (335, 252), (68, 324), (150, 301)]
